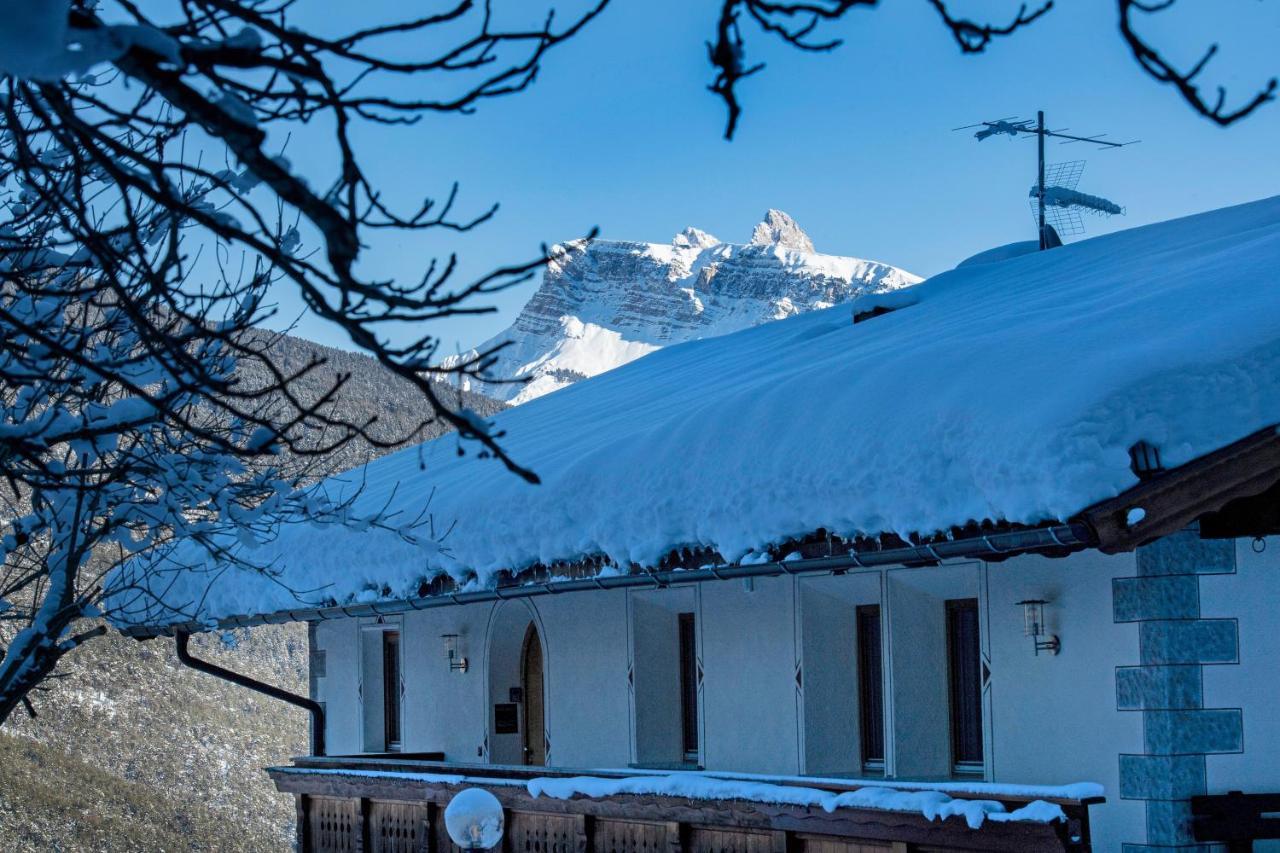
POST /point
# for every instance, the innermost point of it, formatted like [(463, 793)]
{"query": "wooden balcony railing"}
[(380, 804)]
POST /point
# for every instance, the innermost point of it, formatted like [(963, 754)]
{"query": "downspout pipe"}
[(181, 638)]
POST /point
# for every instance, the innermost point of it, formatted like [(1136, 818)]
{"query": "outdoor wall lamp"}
[(1033, 626), (456, 663)]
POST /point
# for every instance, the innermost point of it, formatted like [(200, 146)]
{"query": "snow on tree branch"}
[(230, 71), (146, 212)]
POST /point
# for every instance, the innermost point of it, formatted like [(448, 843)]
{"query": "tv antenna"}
[(1054, 195)]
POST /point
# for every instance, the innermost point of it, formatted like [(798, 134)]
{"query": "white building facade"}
[(1166, 659)]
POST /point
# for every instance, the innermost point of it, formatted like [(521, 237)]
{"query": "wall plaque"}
[(506, 718)]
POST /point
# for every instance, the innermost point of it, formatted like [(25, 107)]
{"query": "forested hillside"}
[(132, 751)]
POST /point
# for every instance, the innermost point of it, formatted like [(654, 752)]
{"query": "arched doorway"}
[(531, 683), (516, 664)]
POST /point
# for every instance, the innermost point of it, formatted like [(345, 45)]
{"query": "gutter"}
[(313, 707), (1071, 537)]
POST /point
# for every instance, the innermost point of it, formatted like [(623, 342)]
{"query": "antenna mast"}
[(1062, 197), (1040, 179)]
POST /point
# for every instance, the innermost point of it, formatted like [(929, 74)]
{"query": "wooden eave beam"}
[(1172, 500)]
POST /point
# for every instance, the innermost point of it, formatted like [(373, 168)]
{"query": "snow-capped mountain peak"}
[(779, 229), (694, 238), (608, 302)]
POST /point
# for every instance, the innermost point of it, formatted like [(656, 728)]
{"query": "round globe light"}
[(474, 819)]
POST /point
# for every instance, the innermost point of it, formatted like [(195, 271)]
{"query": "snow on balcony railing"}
[(931, 803), (974, 802)]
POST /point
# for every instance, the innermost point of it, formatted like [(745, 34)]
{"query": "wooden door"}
[(535, 743)]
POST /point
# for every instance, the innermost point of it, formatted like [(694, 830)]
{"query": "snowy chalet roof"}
[(1005, 392)]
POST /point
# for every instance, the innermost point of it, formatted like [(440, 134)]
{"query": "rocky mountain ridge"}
[(607, 302)]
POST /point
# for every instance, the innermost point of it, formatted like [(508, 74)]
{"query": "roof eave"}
[(1177, 497), (1056, 539), (1170, 501)]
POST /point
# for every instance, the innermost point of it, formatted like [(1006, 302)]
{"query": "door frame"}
[(496, 613), (379, 626)]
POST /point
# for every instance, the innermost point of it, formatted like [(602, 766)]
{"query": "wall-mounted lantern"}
[(456, 663), (1144, 460), (1033, 626)]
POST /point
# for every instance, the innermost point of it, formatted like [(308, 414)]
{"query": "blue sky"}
[(620, 132)]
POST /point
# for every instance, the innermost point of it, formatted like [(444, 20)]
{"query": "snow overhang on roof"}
[(998, 398)]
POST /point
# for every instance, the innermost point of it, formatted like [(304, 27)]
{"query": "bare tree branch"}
[(1185, 82), (795, 23), (145, 216)]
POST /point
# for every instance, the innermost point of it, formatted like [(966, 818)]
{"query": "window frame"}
[(393, 711), (393, 625), (687, 650), (870, 688), (962, 763)]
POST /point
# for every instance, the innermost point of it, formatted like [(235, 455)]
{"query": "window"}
[(688, 686), (391, 689), (870, 688), (964, 666), (381, 688)]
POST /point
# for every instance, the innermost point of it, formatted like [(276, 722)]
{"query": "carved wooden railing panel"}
[(530, 832), (703, 839), (398, 827), (333, 823), (819, 844), (629, 836)]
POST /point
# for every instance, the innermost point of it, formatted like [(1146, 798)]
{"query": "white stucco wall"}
[(587, 707), (1054, 718), (915, 620), (1251, 595), (339, 688), (584, 675), (829, 700), (749, 657), (655, 645), (1049, 719)]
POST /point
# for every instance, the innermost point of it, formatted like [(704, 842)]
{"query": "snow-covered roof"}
[(1008, 391)]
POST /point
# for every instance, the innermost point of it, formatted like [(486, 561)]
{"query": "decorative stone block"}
[(1182, 732), (1168, 686), (1189, 641), (1161, 777), (1157, 597), (1169, 822), (1141, 688), (1185, 553)]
